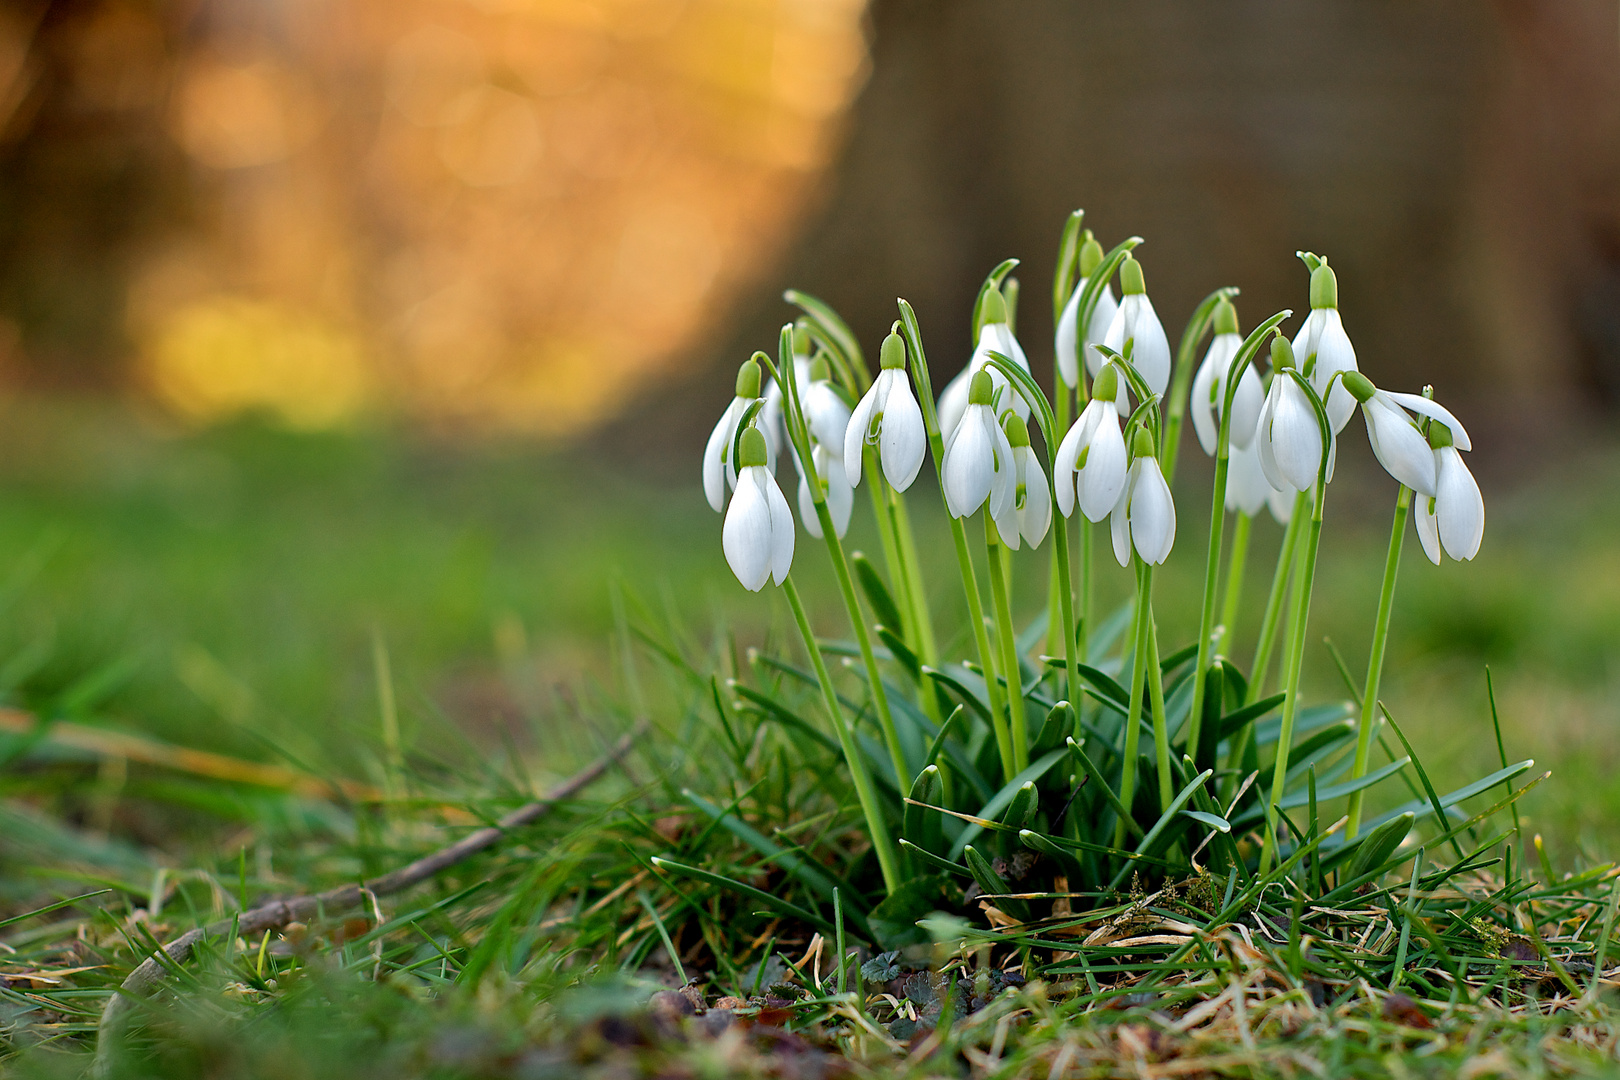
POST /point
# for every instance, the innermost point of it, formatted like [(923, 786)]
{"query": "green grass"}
[(224, 590)]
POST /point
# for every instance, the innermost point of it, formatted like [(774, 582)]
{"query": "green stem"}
[(1008, 638), (1071, 661), (1082, 632), (1056, 617), (927, 646), (1296, 657), (876, 489), (1274, 601), (981, 638), (1375, 661), (1234, 580), (1161, 731), (1133, 715), (1212, 570), (882, 841)]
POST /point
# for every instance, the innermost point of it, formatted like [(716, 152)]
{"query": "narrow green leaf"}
[(884, 609), (721, 882)]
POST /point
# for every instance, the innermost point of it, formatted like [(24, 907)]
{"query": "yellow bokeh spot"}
[(228, 354)]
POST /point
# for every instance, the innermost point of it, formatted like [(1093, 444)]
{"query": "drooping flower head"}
[(1136, 320), (1091, 462), (1028, 514), (826, 419), (995, 335), (719, 471), (1246, 487), (1209, 386), (1288, 435), (1323, 349), (758, 534), (1396, 440), (889, 419), (773, 423), (1454, 518), (978, 465), (1068, 338), (1145, 515)]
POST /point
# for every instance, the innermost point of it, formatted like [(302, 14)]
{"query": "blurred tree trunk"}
[(1455, 160)]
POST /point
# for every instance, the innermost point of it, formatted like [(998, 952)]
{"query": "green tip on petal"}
[(995, 308), (820, 370), (748, 377), (1091, 255), (893, 353), (1226, 320), (1439, 435), (1130, 277), (751, 450), (981, 390), (801, 340), (1142, 443), (1324, 287), (1106, 385), (1360, 387), (1282, 353), (1017, 431)]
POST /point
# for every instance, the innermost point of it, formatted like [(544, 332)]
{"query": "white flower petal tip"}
[(971, 472), (1145, 515), (1424, 407), (1136, 321), (1246, 486), (889, 419), (1459, 507), (1398, 444), (1090, 467), (1027, 516), (758, 533), (1067, 341), (1209, 395), (1289, 437)]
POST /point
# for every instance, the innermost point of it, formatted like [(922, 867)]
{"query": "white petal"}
[(1246, 486), (1262, 440), (1153, 515), (904, 439), (1424, 407), (953, 402), (1005, 483), (1458, 505), (1398, 445), (1119, 521), (746, 536), (840, 496), (1428, 529), (1006, 518), (855, 432), (1063, 467), (1281, 504), (969, 468), (781, 529), (1334, 354), (826, 415), (807, 509), (715, 452), (1246, 407), (772, 424), (1101, 481), (1202, 405), (1036, 516), (1102, 317), (1150, 355), (1310, 333), (1295, 437), (1066, 341)]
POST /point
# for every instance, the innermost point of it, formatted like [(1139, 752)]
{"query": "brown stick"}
[(279, 913)]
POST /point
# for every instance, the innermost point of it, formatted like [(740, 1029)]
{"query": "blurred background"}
[(331, 330)]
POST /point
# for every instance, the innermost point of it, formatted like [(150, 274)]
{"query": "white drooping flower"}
[(1209, 387), (1396, 440), (758, 533), (888, 418), (1028, 514), (1145, 515), (995, 335), (1454, 517), (1090, 465), (1288, 435), (719, 471), (826, 419), (1323, 349), (773, 424), (1136, 320), (978, 465), (837, 493), (1068, 339), (1247, 489), (1281, 505)]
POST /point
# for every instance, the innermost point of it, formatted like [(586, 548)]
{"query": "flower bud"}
[(1226, 320), (893, 353), (995, 308), (1282, 353), (981, 390), (748, 377), (1106, 385), (1130, 277), (751, 448), (801, 340), (1360, 387), (820, 370), (1324, 287), (1091, 255), (1017, 431), (1142, 444), (1440, 436)]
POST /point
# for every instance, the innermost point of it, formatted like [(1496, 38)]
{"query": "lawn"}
[(459, 624)]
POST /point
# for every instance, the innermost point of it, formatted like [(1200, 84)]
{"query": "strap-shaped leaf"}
[(994, 807), (884, 609), (776, 903)]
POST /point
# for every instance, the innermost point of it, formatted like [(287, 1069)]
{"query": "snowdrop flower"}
[(839, 496), (1145, 515), (826, 417), (758, 533), (1324, 349), (888, 418), (1209, 386), (978, 464), (1068, 327), (1288, 435), (1455, 516), (1137, 319), (1028, 514), (1247, 489), (1090, 465), (772, 423), (994, 336), (1397, 443), (719, 472)]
